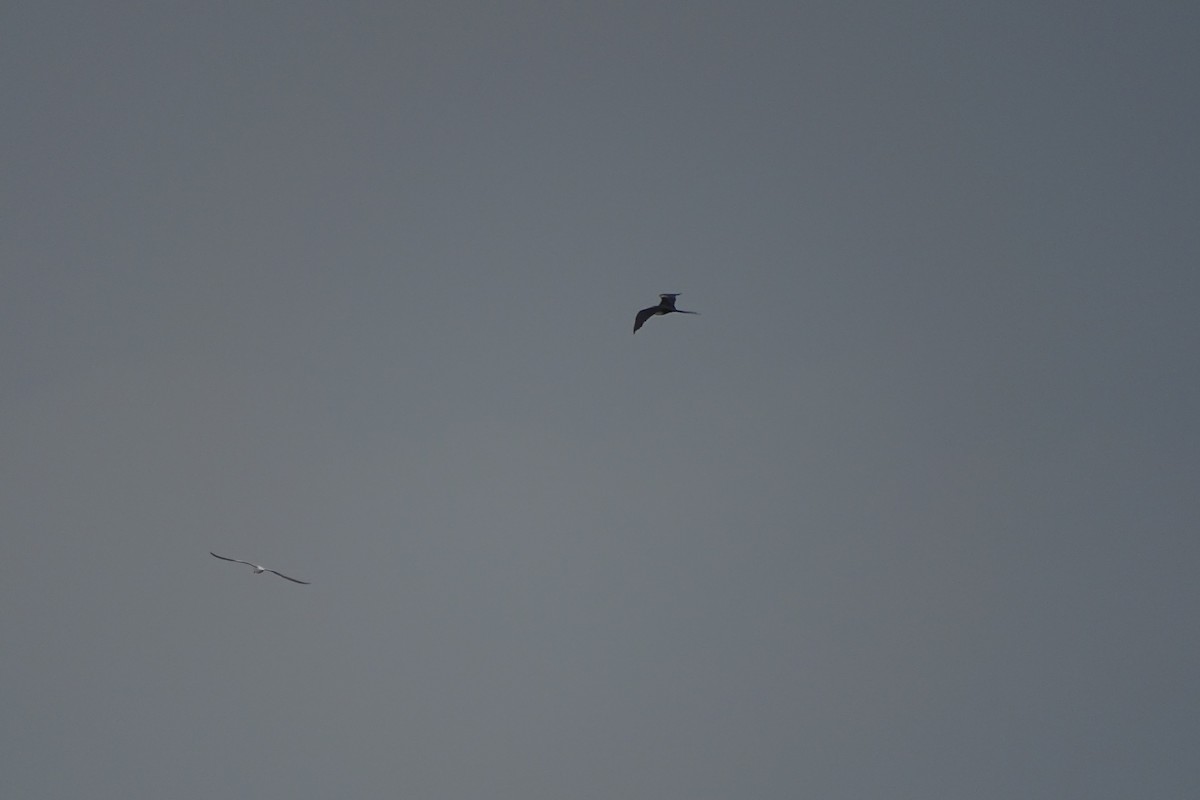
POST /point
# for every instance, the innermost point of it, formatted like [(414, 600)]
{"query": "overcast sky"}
[(909, 510)]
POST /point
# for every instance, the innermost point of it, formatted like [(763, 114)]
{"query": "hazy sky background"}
[(909, 511)]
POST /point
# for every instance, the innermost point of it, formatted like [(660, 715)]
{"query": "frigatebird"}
[(666, 305), (257, 569)]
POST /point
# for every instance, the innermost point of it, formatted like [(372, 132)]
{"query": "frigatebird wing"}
[(642, 316)]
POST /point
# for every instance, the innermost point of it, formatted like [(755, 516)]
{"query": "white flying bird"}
[(257, 569)]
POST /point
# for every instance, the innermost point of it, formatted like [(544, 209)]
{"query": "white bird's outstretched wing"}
[(234, 560), (290, 578)]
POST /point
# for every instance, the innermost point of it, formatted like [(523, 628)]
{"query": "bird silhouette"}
[(666, 305), (257, 569)]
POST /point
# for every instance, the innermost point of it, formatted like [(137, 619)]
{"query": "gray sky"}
[(909, 510)]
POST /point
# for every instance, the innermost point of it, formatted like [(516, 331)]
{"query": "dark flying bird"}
[(257, 569), (666, 305)]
